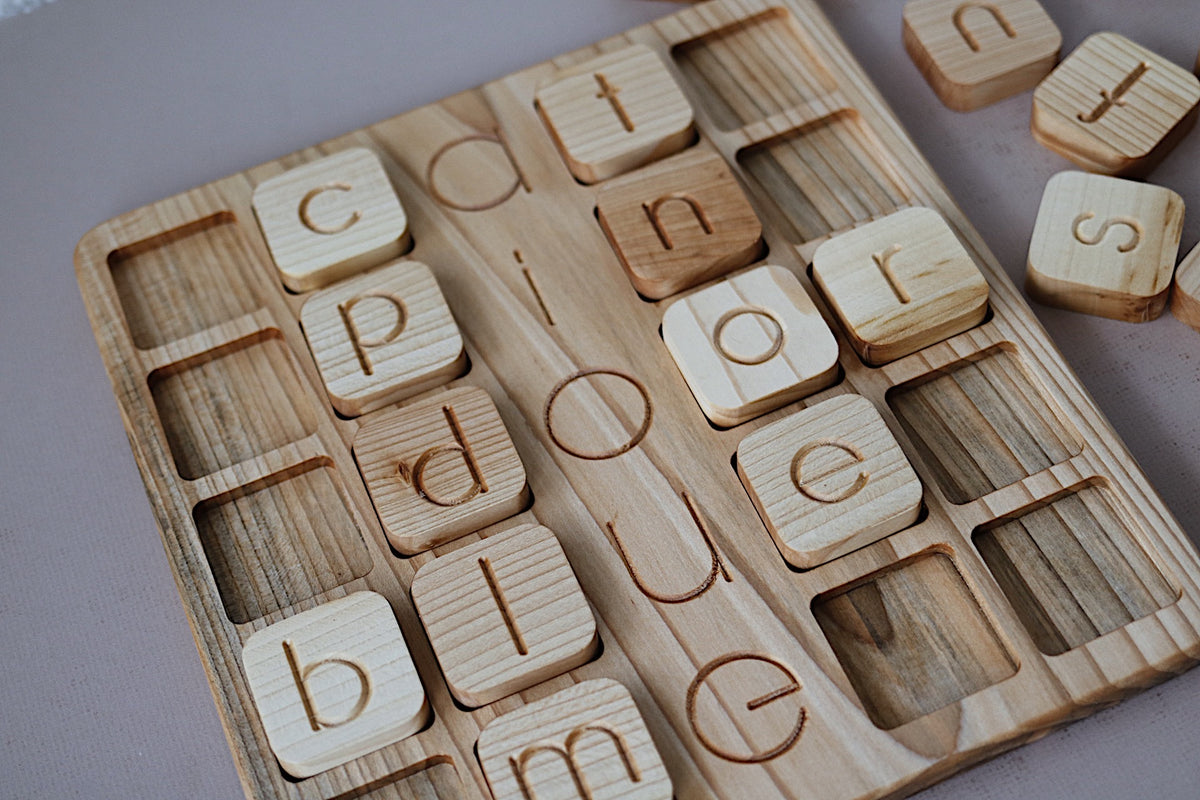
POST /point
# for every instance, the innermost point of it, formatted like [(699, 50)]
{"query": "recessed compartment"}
[(982, 424), (183, 281), (753, 68), (281, 540), (912, 638), (231, 404), (823, 177), (1072, 569)]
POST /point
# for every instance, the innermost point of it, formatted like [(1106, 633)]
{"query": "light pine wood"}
[(382, 337), (900, 283), (1114, 107), (615, 113), (745, 687), (828, 480), (588, 741), (440, 468), (750, 344), (1104, 246), (504, 614), (331, 218), (1185, 297), (974, 54), (679, 223), (333, 683)]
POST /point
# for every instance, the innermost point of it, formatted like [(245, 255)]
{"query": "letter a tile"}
[(615, 113), (504, 613), (828, 480), (588, 741), (334, 683), (440, 468), (750, 344), (330, 218), (679, 223), (382, 337)]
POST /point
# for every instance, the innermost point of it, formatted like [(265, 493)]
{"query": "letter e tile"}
[(1104, 246), (679, 223), (440, 468), (334, 683), (381, 337), (615, 113), (330, 218), (828, 480), (900, 284), (750, 344), (504, 613), (588, 741)]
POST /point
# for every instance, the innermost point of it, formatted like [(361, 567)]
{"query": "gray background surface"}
[(108, 105)]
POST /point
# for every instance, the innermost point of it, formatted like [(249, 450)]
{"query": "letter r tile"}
[(334, 683), (330, 218), (382, 336), (440, 468), (615, 113), (588, 741), (750, 344), (504, 613), (828, 480)]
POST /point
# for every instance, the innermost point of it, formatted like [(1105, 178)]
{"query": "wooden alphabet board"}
[(568, 483)]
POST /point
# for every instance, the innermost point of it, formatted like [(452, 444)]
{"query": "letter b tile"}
[(334, 683), (588, 741), (828, 480), (440, 468)]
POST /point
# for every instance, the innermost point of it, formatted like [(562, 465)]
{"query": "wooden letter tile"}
[(588, 741), (382, 337), (1185, 299), (330, 218), (679, 223), (504, 614), (973, 54), (1113, 106), (1104, 246), (440, 468), (334, 683), (615, 113), (828, 480), (750, 344), (900, 283)]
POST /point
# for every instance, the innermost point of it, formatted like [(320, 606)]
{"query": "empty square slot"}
[(231, 404), (753, 68), (183, 281), (823, 177), (912, 638), (983, 424), (283, 540), (1072, 570)]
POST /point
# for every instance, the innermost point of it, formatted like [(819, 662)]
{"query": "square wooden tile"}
[(330, 218), (1104, 246), (615, 113), (586, 741), (750, 344), (829, 479), (334, 683), (973, 54), (504, 614), (440, 468), (383, 336), (900, 283), (679, 223), (1113, 106), (1185, 298)]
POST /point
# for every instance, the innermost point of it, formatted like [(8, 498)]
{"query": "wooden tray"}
[(1043, 579)]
